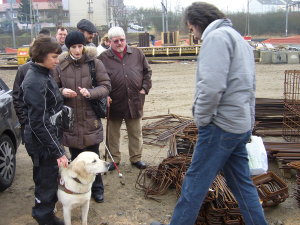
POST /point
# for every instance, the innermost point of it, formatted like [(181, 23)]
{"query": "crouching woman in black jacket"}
[(42, 100)]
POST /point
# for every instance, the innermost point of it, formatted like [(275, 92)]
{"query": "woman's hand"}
[(63, 161), (69, 93), (84, 92)]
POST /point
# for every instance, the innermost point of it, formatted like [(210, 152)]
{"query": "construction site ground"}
[(172, 92)]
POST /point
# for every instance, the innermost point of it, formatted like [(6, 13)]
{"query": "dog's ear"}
[(79, 169)]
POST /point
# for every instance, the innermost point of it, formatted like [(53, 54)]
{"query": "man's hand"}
[(69, 93), (62, 161), (84, 92), (143, 92), (109, 101)]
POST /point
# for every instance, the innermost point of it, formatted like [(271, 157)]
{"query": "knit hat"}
[(73, 38), (87, 26)]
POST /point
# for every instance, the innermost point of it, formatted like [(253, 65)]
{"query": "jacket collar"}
[(40, 68), (65, 59), (215, 25), (112, 54)]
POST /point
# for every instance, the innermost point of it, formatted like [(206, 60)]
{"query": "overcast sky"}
[(224, 5)]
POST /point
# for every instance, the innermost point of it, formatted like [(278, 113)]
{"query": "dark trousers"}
[(98, 183), (45, 176)]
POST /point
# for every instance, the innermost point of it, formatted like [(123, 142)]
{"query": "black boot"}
[(98, 189), (54, 220), (57, 221)]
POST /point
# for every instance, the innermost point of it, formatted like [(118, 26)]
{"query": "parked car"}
[(10, 137), (136, 27)]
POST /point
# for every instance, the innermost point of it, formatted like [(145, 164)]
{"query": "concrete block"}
[(292, 57), (266, 57), (279, 57)]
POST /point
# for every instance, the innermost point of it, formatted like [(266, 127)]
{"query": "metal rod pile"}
[(284, 152), (220, 206), (296, 195), (165, 126), (268, 117)]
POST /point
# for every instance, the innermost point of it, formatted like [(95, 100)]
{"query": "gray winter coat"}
[(225, 80)]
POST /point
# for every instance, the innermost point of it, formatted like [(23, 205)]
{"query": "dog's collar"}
[(77, 180), (62, 186)]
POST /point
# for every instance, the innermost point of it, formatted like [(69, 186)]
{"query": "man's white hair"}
[(115, 32)]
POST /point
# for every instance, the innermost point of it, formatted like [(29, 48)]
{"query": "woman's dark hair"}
[(42, 46), (201, 14)]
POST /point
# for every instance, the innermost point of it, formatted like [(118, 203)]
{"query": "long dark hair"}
[(201, 14)]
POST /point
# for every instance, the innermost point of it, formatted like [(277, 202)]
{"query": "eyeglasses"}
[(118, 40)]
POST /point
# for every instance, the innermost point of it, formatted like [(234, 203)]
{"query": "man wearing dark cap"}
[(88, 29)]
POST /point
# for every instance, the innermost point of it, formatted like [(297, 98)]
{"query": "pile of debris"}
[(220, 206)]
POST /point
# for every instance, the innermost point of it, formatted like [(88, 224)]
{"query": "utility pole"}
[(37, 20), (164, 16), (286, 17), (248, 19), (12, 24), (90, 10), (30, 15), (289, 3)]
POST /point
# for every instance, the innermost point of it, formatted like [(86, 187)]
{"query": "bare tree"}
[(57, 12), (119, 13)]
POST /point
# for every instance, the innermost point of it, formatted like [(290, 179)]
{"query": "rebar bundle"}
[(165, 126), (219, 207), (296, 194), (284, 152), (268, 117), (155, 181), (291, 116)]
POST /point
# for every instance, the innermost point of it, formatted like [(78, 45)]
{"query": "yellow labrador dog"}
[(75, 184)]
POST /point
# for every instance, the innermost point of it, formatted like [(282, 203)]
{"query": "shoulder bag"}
[(98, 105)]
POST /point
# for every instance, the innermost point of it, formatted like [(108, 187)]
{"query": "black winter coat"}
[(42, 99), (16, 94)]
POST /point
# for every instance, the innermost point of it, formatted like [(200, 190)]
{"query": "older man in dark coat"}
[(130, 76)]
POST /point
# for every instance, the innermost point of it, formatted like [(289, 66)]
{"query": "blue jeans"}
[(218, 150)]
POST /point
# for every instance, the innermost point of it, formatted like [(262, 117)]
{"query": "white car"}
[(136, 27)]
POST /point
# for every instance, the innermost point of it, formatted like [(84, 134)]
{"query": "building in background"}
[(51, 13), (45, 13), (94, 10), (267, 6)]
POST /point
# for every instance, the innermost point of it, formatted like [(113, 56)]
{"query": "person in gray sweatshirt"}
[(224, 115)]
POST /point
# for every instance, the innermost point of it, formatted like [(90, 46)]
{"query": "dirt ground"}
[(172, 92)]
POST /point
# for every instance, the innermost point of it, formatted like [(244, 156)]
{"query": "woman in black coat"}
[(42, 100)]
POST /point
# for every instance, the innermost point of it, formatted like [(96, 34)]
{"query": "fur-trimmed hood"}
[(89, 51)]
